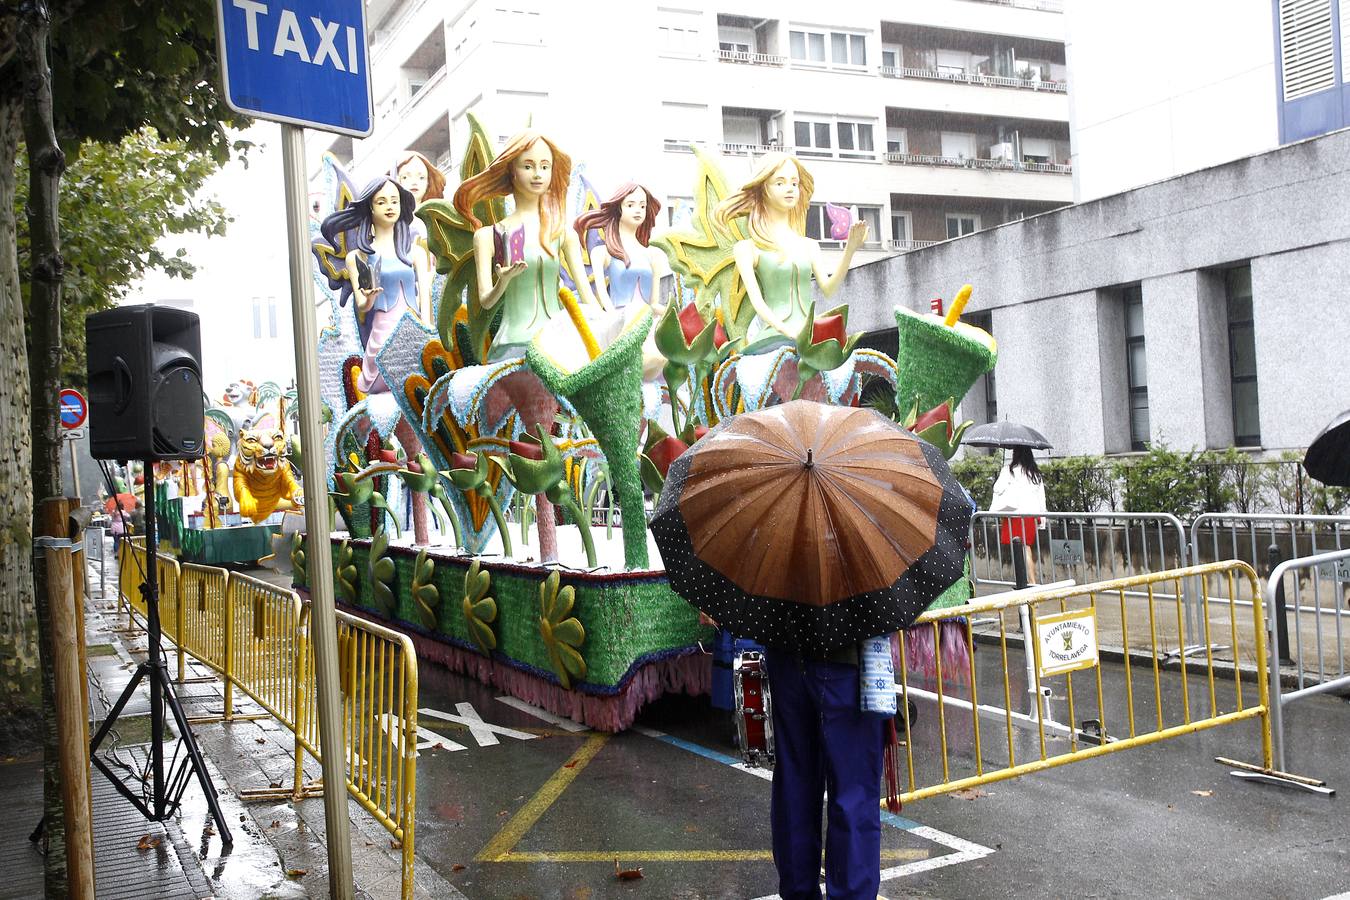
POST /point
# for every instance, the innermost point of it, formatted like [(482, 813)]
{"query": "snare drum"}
[(754, 709)]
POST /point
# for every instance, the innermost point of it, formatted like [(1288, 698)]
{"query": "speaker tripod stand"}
[(166, 788)]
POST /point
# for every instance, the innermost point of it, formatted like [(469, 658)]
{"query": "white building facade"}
[(934, 119)]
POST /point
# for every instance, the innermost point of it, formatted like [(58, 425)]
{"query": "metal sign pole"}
[(323, 619)]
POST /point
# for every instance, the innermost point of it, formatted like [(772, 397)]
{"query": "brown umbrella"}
[(810, 526)]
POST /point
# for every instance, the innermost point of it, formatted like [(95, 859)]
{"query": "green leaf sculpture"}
[(562, 632), (299, 574), (347, 575), (382, 575), (424, 593), (480, 610)]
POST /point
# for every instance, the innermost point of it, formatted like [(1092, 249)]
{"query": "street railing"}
[(1327, 578), (1154, 700), (255, 636)]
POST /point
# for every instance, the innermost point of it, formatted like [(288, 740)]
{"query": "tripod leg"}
[(195, 754), (116, 711)]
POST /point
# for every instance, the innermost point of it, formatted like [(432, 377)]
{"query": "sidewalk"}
[(279, 849)]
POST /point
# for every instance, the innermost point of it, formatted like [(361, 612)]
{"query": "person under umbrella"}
[(1019, 493), (811, 528)]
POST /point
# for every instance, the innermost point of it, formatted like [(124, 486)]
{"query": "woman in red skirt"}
[(1020, 490)]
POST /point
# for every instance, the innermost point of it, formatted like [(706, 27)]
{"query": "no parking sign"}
[(74, 408)]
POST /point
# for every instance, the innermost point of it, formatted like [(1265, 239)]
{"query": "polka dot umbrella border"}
[(807, 629)]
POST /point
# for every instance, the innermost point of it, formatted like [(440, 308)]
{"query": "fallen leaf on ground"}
[(968, 794), (296, 873), (276, 823), (147, 842), (395, 844), (458, 867), (570, 765), (626, 874), (690, 829), (275, 784), (261, 740), (1203, 793)]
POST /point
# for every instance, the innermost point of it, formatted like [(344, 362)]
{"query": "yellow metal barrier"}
[(264, 633), (255, 635), (1150, 701), (377, 670), (130, 574)]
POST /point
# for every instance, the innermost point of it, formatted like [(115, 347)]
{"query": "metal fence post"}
[(228, 667), (178, 626), (1280, 633), (301, 723)]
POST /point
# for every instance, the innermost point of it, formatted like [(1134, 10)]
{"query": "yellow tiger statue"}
[(263, 482)]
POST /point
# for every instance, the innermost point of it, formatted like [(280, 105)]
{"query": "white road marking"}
[(543, 715)]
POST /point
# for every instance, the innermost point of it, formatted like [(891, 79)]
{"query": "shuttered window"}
[(1307, 53)]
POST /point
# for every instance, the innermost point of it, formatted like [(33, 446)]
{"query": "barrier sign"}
[(1066, 553), (1335, 571), (1066, 642)]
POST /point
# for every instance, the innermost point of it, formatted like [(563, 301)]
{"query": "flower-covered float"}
[(508, 373)]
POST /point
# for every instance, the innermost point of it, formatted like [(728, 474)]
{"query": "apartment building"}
[(934, 119)]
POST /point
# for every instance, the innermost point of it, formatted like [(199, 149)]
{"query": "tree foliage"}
[(118, 201)]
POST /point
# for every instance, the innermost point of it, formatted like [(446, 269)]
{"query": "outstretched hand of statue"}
[(857, 236), (506, 273), (367, 297)]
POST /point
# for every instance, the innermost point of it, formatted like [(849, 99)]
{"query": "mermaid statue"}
[(424, 181), (518, 261)]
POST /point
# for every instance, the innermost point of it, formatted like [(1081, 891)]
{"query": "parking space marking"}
[(525, 818), (962, 850), (632, 856)]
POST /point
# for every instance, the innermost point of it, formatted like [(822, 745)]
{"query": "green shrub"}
[(1163, 481), (978, 474), (1078, 484)]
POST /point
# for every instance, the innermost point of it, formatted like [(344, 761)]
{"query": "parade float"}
[(506, 381), (229, 506)]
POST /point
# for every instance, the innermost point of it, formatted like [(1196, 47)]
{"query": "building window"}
[(257, 319), (1136, 366), (845, 49), (897, 140), (961, 224), (677, 32), (846, 138), (855, 140), (900, 227), (890, 57), (812, 136), (958, 145), (1242, 357)]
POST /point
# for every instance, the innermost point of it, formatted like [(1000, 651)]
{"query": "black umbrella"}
[(1006, 435), (809, 527), (1328, 457)]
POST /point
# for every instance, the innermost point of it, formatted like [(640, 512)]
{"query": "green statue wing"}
[(703, 256)]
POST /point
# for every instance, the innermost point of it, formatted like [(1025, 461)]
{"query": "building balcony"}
[(1038, 5), (750, 58), (1001, 165), (738, 149), (905, 246), (1053, 87)]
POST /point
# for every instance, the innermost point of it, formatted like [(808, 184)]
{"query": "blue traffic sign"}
[(304, 62), (74, 408)]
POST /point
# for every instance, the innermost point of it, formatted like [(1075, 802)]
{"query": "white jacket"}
[(1014, 492)]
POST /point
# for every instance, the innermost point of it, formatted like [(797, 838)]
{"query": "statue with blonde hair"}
[(777, 262), (535, 173)]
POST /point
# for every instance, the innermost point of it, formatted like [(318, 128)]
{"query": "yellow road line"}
[(626, 856), (506, 839)]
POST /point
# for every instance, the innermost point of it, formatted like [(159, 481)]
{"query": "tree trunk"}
[(20, 679), (46, 162)]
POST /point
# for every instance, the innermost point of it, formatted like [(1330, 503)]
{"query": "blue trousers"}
[(825, 746)]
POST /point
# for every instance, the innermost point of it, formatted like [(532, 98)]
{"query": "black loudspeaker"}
[(145, 383)]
